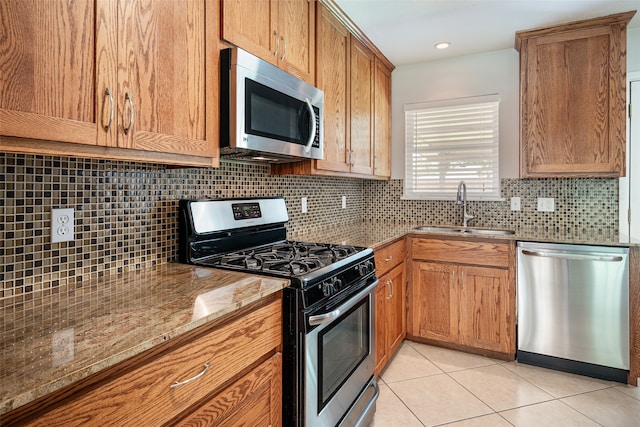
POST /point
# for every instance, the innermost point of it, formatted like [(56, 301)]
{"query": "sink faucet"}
[(461, 199)]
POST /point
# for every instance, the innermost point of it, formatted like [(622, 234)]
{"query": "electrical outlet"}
[(62, 221), (62, 343), (515, 203), (546, 204), (304, 205), (344, 202)]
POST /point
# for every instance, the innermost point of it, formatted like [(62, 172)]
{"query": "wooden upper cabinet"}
[(162, 58), (361, 99), (333, 78), (297, 29), (382, 121), (573, 98), (281, 32), (48, 77), (355, 78), (130, 74)]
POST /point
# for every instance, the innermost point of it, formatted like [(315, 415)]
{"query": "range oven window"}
[(341, 349)]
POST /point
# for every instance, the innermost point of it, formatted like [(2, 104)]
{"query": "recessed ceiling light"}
[(442, 45)]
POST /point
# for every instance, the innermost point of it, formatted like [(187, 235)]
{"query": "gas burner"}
[(295, 267)]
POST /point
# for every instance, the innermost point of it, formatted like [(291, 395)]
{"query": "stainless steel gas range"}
[(328, 311)]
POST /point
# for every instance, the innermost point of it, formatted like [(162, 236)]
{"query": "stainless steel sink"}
[(462, 230), (489, 231), (438, 229)]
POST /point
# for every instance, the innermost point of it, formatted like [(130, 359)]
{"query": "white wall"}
[(473, 75), (633, 49)]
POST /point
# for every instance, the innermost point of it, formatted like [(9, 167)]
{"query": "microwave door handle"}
[(312, 137)]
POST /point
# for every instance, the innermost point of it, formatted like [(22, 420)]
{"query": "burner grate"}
[(288, 257)]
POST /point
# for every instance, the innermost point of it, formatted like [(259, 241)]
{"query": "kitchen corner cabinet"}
[(391, 325), (573, 98), (120, 79), (462, 294), (229, 373), (281, 32), (357, 88)]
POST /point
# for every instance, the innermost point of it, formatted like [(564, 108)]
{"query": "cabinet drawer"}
[(253, 400), (389, 256), (144, 396), (473, 252)]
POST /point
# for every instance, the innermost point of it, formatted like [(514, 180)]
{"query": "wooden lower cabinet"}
[(254, 400), (229, 373), (433, 302), (391, 318), (455, 302)]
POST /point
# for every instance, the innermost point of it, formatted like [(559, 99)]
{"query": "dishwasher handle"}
[(573, 256)]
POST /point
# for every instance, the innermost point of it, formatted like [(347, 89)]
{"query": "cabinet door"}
[(47, 77), (254, 400), (433, 301), (396, 313), (382, 121), (296, 24), (248, 24), (382, 356), (332, 78), (361, 102), (483, 308), (573, 93), (163, 47)]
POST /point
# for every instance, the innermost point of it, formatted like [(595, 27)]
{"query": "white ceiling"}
[(407, 30)]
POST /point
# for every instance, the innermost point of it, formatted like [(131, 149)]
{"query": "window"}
[(452, 141)]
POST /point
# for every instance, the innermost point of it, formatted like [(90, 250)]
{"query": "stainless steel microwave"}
[(267, 114)]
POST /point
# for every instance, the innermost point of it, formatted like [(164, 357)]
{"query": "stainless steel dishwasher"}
[(573, 308)]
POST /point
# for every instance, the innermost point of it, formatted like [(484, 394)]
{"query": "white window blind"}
[(452, 141)]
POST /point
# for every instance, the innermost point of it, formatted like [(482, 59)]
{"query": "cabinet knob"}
[(389, 258)]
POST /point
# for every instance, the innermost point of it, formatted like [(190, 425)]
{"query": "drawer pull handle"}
[(178, 384), (129, 98), (389, 258), (107, 92)]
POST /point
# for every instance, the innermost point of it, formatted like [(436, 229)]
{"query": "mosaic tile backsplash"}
[(582, 206), (126, 213)]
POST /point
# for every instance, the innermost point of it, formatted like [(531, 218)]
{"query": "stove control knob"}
[(328, 289), (337, 284), (370, 266), (365, 268)]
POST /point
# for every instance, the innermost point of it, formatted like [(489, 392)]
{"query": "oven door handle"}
[(319, 319)]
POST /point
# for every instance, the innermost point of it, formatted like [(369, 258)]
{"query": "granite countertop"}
[(376, 235), (60, 339), (63, 338)]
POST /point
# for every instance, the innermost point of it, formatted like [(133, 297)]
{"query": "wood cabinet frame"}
[(452, 265), (573, 98)]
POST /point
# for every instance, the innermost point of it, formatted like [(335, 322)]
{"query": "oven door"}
[(340, 362)]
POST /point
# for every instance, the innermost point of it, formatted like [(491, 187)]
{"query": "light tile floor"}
[(431, 386)]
